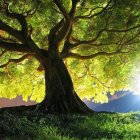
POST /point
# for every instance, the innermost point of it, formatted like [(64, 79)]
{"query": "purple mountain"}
[(125, 103)]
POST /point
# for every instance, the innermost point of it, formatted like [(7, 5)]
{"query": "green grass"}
[(74, 127)]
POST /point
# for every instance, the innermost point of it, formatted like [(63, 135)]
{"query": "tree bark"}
[(60, 94)]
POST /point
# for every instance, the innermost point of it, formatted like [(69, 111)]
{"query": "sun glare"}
[(137, 85), (135, 81)]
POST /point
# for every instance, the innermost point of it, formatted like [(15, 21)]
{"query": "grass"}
[(73, 127)]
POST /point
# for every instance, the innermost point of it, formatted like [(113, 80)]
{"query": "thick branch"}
[(71, 14), (22, 21), (11, 31), (73, 9), (55, 30), (15, 60), (20, 17), (15, 47), (67, 24), (61, 8), (40, 54), (65, 27)]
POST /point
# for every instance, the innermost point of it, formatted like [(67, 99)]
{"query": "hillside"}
[(38, 126)]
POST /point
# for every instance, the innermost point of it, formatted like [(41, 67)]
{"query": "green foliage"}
[(22, 79), (74, 127)]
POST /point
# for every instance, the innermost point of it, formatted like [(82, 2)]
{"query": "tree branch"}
[(39, 53), (96, 14), (7, 39), (15, 60), (61, 8), (123, 30), (67, 24), (2, 53), (132, 39), (100, 33), (19, 17), (92, 10), (55, 30), (71, 14), (93, 76), (73, 9), (88, 41), (78, 56), (65, 27), (94, 39), (15, 47), (11, 31), (28, 44)]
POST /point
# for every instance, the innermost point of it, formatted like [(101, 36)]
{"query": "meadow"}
[(39, 126)]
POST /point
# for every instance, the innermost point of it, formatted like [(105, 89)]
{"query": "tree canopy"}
[(101, 51)]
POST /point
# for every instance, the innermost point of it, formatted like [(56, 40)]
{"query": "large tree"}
[(89, 37)]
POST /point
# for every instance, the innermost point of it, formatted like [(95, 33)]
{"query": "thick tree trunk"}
[(60, 95)]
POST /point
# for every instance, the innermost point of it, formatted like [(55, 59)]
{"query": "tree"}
[(60, 33)]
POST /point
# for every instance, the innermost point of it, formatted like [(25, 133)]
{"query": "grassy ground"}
[(75, 127)]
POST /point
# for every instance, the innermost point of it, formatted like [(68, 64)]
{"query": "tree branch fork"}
[(60, 32)]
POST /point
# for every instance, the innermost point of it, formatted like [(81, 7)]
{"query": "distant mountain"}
[(117, 95), (126, 103), (18, 101)]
